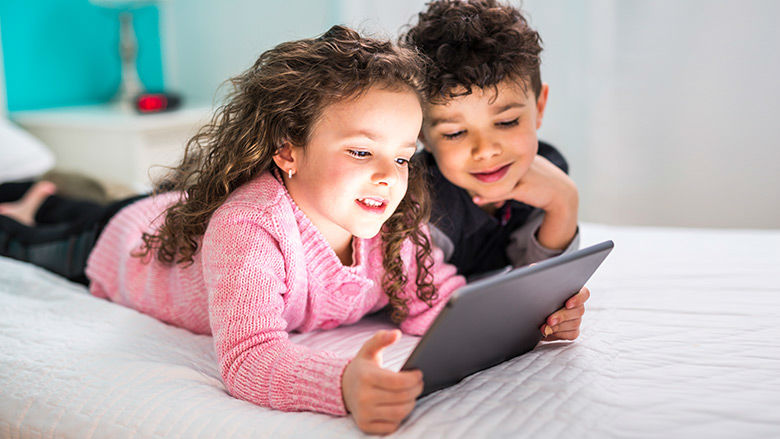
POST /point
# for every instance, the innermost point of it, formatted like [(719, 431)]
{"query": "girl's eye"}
[(454, 135), (509, 123), (402, 161), (358, 153)]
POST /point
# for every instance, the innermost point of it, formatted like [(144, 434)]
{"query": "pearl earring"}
[(290, 173)]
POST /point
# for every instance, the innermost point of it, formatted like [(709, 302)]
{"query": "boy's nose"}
[(484, 149)]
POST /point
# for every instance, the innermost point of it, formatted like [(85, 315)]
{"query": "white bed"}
[(681, 339)]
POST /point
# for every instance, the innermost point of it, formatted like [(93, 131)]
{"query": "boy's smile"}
[(492, 175), (485, 142)]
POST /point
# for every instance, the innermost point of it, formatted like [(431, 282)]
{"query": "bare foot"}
[(24, 210)]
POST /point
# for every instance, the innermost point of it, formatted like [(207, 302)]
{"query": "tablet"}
[(497, 318)]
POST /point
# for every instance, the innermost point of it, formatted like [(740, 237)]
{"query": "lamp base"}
[(129, 85)]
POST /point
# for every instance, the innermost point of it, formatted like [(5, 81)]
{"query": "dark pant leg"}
[(62, 248), (56, 210), (14, 191)]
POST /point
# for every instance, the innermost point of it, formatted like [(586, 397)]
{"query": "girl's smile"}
[(372, 204)]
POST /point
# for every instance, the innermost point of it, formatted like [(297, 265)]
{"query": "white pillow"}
[(22, 156)]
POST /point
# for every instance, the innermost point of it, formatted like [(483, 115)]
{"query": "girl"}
[(298, 208)]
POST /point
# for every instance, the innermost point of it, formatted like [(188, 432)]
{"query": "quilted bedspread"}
[(681, 338)]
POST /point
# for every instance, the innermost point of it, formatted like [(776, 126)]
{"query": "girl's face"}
[(353, 173)]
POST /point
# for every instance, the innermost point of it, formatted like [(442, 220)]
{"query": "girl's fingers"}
[(396, 381), (386, 397), (380, 427), (372, 349), (393, 413)]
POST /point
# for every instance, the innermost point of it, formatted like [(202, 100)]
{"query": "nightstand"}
[(111, 145)]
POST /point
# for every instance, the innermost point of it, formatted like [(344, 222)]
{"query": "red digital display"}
[(151, 103)]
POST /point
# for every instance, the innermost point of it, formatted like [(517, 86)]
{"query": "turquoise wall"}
[(65, 52)]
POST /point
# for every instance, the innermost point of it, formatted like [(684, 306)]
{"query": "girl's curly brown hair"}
[(278, 100), (474, 43)]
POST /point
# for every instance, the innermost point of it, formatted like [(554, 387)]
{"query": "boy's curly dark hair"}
[(278, 100), (474, 43)]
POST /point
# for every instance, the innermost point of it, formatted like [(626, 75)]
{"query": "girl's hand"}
[(564, 324), (379, 399)]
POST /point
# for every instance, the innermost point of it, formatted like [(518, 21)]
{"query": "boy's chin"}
[(493, 191)]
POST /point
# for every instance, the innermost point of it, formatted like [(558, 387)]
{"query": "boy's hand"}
[(379, 399), (544, 186), (547, 187), (564, 324)]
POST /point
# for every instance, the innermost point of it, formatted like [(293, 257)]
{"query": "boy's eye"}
[(358, 153), (509, 123), (450, 136)]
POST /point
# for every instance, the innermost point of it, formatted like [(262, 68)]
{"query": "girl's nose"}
[(385, 174), (485, 148)]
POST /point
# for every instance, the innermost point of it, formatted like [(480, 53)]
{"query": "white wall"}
[(380, 18), (667, 109)]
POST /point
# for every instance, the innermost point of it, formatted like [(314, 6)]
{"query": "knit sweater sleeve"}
[(446, 280), (244, 270)]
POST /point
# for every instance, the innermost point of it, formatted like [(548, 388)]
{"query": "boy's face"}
[(485, 142)]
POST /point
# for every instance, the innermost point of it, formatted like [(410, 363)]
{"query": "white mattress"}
[(681, 339)]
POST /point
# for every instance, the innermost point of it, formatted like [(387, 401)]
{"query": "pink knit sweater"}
[(262, 271)]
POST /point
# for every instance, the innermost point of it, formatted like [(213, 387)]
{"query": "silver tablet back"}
[(498, 318)]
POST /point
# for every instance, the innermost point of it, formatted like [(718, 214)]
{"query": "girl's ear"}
[(285, 158)]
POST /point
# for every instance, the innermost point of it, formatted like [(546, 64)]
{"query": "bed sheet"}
[(680, 339)]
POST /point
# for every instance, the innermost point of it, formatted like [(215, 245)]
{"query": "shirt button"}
[(350, 289), (329, 324)]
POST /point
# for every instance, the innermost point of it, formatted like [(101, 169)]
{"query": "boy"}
[(500, 197)]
